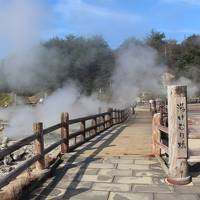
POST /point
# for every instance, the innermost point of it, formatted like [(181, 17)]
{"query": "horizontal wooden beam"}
[(163, 147), (52, 128), (194, 135), (78, 120), (193, 159), (163, 128)]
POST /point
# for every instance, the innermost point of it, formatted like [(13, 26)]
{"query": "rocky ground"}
[(15, 159)]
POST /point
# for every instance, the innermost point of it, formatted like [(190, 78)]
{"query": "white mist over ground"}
[(67, 99), (136, 71), (133, 74)]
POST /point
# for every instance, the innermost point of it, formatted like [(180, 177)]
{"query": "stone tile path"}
[(91, 174)]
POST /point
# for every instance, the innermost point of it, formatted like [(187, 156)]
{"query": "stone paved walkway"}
[(94, 172)]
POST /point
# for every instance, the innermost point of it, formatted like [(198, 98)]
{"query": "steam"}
[(192, 88), (35, 65), (66, 99), (137, 70)]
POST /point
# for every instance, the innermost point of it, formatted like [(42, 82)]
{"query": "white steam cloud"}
[(137, 71), (67, 99)]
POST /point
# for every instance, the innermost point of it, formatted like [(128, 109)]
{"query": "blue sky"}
[(119, 19), (115, 20)]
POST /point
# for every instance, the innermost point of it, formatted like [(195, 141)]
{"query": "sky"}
[(33, 21)]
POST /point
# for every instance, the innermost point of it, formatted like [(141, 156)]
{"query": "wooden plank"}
[(178, 134), (82, 129), (65, 132), (94, 124), (182, 127), (163, 147), (163, 128), (156, 134), (52, 128), (78, 120), (194, 159), (39, 145), (194, 135)]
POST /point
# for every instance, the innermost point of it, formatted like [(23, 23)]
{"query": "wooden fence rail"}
[(99, 123), (171, 131)]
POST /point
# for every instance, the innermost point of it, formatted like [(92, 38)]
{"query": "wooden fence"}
[(99, 123), (171, 132)]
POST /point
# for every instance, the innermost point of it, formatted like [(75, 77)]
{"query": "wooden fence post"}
[(150, 105), (161, 114), (117, 116), (120, 116), (114, 116), (39, 145), (133, 110), (178, 135), (94, 123), (154, 106), (65, 132), (82, 128), (156, 134), (110, 117), (104, 119)]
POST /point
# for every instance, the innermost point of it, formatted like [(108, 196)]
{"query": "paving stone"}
[(102, 165), (86, 195), (122, 161), (87, 160), (37, 197), (58, 192), (159, 180), (145, 162), (134, 180), (153, 173), (76, 170), (136, 157), (133, 166), (175, 196), (111, 187), (156, 167), (130, 196), (153, 188), (67, 184), (115, 172), (196, 180), (84, 177), (96, 178), (187, 189)]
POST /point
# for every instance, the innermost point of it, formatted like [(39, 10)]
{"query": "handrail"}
[(77, 120), (110, 118), (163, 128), (163, 147)]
